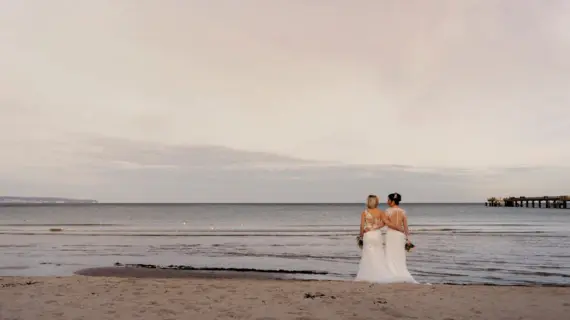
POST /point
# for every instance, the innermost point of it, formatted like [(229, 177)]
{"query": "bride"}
[(396, 238), (381, 260)]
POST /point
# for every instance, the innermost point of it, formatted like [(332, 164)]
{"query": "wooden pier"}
[(556, 202)]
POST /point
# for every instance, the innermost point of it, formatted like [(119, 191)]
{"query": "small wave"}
[(14, 268), (59, 264), (320, 225), (476, 233), (465, 230), (94, 245), (295, 256), (508, 284), (59, 225), (539, 273), (16, 245), (485, 269), (475, 224), (475, 261), (174, 234), (304, 234), (438, 274)]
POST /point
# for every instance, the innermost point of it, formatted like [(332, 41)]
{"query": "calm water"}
[(455, 243)]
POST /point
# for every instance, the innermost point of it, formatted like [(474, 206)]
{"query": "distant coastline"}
[(43, 200), (56, 201)]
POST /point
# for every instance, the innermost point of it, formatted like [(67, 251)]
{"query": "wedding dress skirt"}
[(395, 256), (373, 264)]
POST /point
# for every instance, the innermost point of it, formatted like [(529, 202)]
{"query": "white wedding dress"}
[(395, 252), (383, 257), (373, 266)]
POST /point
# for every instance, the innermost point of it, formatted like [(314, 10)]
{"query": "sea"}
[(455, 243)]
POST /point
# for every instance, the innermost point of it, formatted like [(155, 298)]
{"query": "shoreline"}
[(159, 273), (188, 272), (148, 294), (120, 270)]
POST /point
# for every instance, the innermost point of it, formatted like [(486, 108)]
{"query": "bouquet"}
[(359, 241), (409, 246)]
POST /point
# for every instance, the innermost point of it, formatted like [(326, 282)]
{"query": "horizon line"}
[(228, 203)]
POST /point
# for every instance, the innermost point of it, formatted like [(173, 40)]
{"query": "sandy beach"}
[(113, 293)]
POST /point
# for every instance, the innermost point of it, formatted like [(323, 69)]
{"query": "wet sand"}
[(159, 273), (138, 293)]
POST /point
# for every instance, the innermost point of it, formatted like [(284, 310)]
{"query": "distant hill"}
[(43, 200)]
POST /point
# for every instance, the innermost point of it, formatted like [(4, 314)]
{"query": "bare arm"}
[(389, 223), (362, 224), (406, 230)]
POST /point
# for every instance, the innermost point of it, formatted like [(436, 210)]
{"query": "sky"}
[(284, 101)]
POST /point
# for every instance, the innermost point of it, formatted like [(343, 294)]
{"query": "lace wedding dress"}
[(373, 266), (394, 252)]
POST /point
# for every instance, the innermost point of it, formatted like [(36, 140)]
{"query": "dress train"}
[(395, 256), (373, 265)]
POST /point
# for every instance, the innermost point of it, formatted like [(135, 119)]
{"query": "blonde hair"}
[(372, 202)]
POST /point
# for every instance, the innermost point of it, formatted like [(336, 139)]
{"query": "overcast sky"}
[(299, 100)]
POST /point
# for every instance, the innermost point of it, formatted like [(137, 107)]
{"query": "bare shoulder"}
[(377, 213), (396, 210)]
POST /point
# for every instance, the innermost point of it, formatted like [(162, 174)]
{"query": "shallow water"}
[(462, 243)]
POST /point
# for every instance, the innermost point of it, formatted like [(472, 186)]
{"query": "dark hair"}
[(395, 197)]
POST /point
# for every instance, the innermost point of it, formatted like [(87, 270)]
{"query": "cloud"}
[(298, 99), (443, 83), (138, 171)]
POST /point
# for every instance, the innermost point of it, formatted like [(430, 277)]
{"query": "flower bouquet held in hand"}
[(359, 241), (409, 246)]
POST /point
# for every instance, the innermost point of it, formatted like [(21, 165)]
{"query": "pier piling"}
[(550, 202)]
